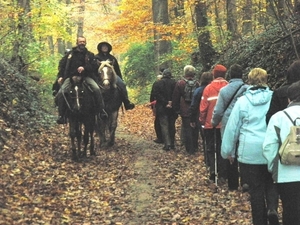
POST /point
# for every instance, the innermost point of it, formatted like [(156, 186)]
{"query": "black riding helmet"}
[(104, 43)]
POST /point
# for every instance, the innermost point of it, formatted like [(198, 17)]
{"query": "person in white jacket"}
[(287, 177)]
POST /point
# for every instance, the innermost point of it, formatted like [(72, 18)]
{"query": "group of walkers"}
[(237, 123), (81, 62)]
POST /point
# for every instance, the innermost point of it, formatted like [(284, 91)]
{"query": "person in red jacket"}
[(208, 102)]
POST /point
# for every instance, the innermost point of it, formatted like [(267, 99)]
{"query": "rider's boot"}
[(61, 113), (127, 104)]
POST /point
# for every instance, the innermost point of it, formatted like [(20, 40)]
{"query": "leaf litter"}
[(133, 182)]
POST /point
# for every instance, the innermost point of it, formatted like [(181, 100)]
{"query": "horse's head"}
[(107, 75), (76, 93)]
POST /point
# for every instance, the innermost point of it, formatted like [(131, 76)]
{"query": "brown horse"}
[(112, 101), (81, 114)]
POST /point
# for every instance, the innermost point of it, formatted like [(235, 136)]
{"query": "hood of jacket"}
[(258, 95)]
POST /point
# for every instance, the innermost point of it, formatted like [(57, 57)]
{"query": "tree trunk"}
[(232, 19), (81, 18), (23, 34), (161, 46), (247, 18), (206, 50), (50, 44)]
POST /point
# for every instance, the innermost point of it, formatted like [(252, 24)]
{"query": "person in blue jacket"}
[(287, 177), (247, 125), (227, 98)]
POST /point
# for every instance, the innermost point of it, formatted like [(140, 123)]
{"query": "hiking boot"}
[(158, 141), (128, 105), (245, 188), (212, 176), (61, 120), (273, 217), (167, 148)]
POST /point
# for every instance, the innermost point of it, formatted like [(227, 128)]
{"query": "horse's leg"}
[(72, 134), (112, 127), (101, 128), (79, 136), (91, 132), (85, 140)]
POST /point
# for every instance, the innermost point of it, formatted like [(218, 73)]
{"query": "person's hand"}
[(80, 69), (60, 81), (193, 124), (169, 105), (231, 159)]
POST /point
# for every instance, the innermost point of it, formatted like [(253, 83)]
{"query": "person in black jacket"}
[(78, 62), (157, 128), (162, 92), (279, 99), (104, 49)]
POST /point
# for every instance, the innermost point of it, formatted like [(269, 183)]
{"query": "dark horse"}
[(112, 101), (80, 113)]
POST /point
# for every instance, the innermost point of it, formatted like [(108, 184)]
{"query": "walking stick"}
[(216, 155)]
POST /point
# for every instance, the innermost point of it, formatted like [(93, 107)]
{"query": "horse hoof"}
[(93, 153)]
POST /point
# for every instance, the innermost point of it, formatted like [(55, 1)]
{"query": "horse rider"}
[(104, 49), (78, 62)]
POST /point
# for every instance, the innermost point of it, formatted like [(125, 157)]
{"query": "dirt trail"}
[(134, 182)]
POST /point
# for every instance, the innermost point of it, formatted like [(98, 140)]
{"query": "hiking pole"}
[(216, 155)]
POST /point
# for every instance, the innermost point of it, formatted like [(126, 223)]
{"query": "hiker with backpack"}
[(181, 101), (286, 176), (246, 126), (227, 98), (213, 142)]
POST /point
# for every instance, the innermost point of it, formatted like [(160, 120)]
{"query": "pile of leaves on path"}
[(133, 182)]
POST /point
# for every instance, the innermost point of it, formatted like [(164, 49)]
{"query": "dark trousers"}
[(214, 145), (190, 135), (157, 128), (60, 99), (122, 88), (290, 197), (233, 175), (263, 191), (167, 123)]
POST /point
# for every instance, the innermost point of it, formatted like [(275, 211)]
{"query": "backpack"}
[(289, 151), (190, 86)]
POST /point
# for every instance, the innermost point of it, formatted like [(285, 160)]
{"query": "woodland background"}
[(38, 184), (149, 35)]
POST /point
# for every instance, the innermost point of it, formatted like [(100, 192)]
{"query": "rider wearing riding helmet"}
[(104, 49)]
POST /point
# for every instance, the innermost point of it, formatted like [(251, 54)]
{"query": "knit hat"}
[(219, 71), (293, 92), (167, 73), (235, 71)]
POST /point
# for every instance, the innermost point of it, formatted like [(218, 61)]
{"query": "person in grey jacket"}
[(247, 125), (286, 176), (227, 98)]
